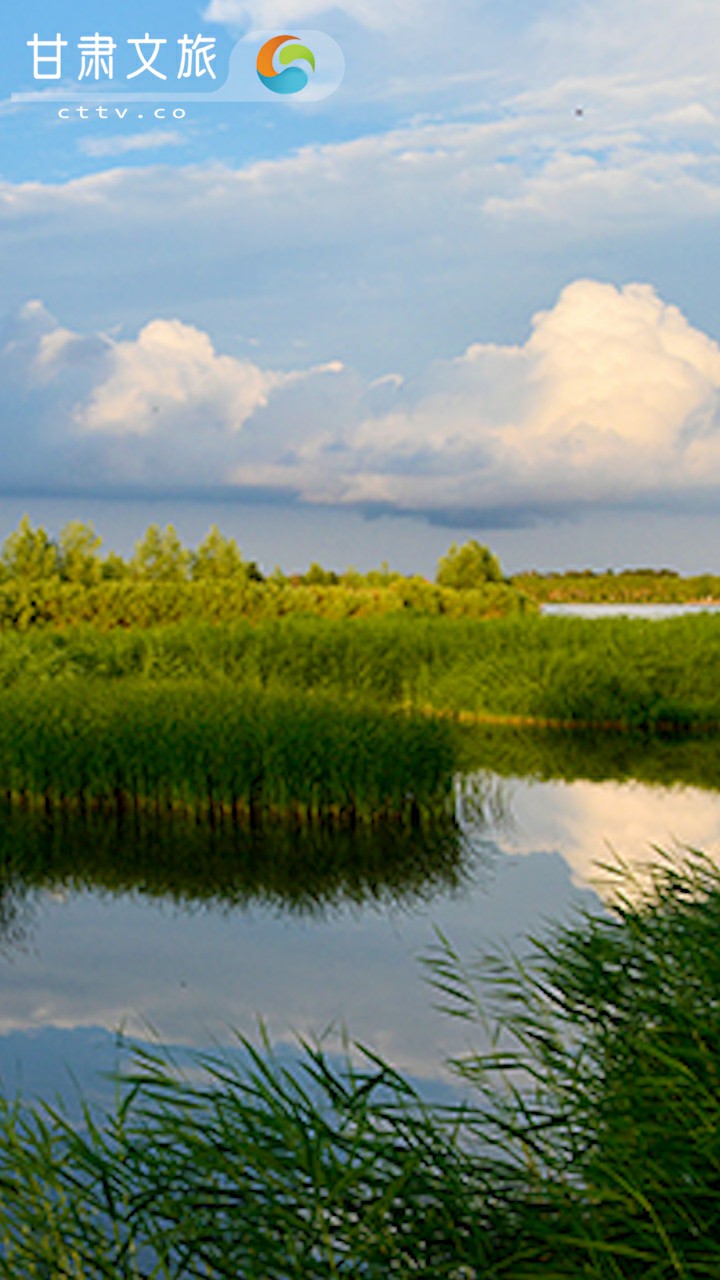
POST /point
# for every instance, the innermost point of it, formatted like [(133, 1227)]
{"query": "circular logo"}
[(292, 79)]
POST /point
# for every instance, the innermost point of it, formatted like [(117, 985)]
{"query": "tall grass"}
[(317, 718), (218, 752), (603, 1088), (618, 672), (589, 1145)]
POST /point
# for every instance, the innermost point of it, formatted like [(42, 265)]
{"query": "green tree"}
[(471, 565), (78, 554), (113, 567), (29, 555), (217, 557), (316, 576), (160, 556)]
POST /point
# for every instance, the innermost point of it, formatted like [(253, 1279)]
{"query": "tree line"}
[(67, 580), (33, 555)]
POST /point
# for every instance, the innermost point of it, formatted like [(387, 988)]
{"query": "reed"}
[(626, 673), (216, 752)]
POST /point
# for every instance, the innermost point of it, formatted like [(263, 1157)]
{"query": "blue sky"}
[(472, 293)]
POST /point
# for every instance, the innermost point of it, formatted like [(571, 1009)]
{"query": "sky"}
[(471, 293)]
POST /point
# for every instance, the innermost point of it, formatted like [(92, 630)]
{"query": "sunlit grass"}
[(622, 672), (223, 753)]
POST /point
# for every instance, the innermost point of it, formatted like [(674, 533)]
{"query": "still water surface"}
[(618, 610), (183, 935)]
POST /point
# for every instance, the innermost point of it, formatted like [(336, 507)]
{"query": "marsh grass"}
[(622, 673), (589, 1144), (220, 753)]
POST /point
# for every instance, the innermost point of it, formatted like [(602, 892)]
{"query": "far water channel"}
[(180, 935)]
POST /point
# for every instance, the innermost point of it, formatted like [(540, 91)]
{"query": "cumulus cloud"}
[(162, 409), (172, 373), (613, 399)]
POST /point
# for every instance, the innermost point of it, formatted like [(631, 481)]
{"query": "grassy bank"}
[(318, 719), (591, 1149), (618, 672), (630, 586)]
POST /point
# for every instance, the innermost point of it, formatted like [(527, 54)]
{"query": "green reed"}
[(217, 751), (588, 1145), (626, 673)]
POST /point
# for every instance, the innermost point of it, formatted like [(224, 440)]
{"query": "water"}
[(654, 612), (178, 934)]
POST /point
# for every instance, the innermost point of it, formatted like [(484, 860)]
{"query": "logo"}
[(292, 79)]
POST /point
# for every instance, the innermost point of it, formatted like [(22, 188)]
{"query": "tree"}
[(217, 557), (29, 555), (471, 565), (113, 568), (78, 554), (316, 576), (161, 556)]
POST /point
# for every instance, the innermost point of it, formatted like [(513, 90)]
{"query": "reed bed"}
[(588, 1147), (625, 673), (218, 753), (631, 586)]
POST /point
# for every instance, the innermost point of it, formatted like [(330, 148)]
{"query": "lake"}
[(617, 610), (180, 934)]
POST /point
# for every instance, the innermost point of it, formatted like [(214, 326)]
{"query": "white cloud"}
[(613, 399), (172, 374), (161, 409), (350, 244), (122, 144), (415, 220), (590, 823)]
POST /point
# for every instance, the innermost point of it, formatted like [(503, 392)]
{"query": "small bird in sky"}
[(579, 111)]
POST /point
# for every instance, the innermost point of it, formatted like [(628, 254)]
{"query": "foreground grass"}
[(592, 1148)]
